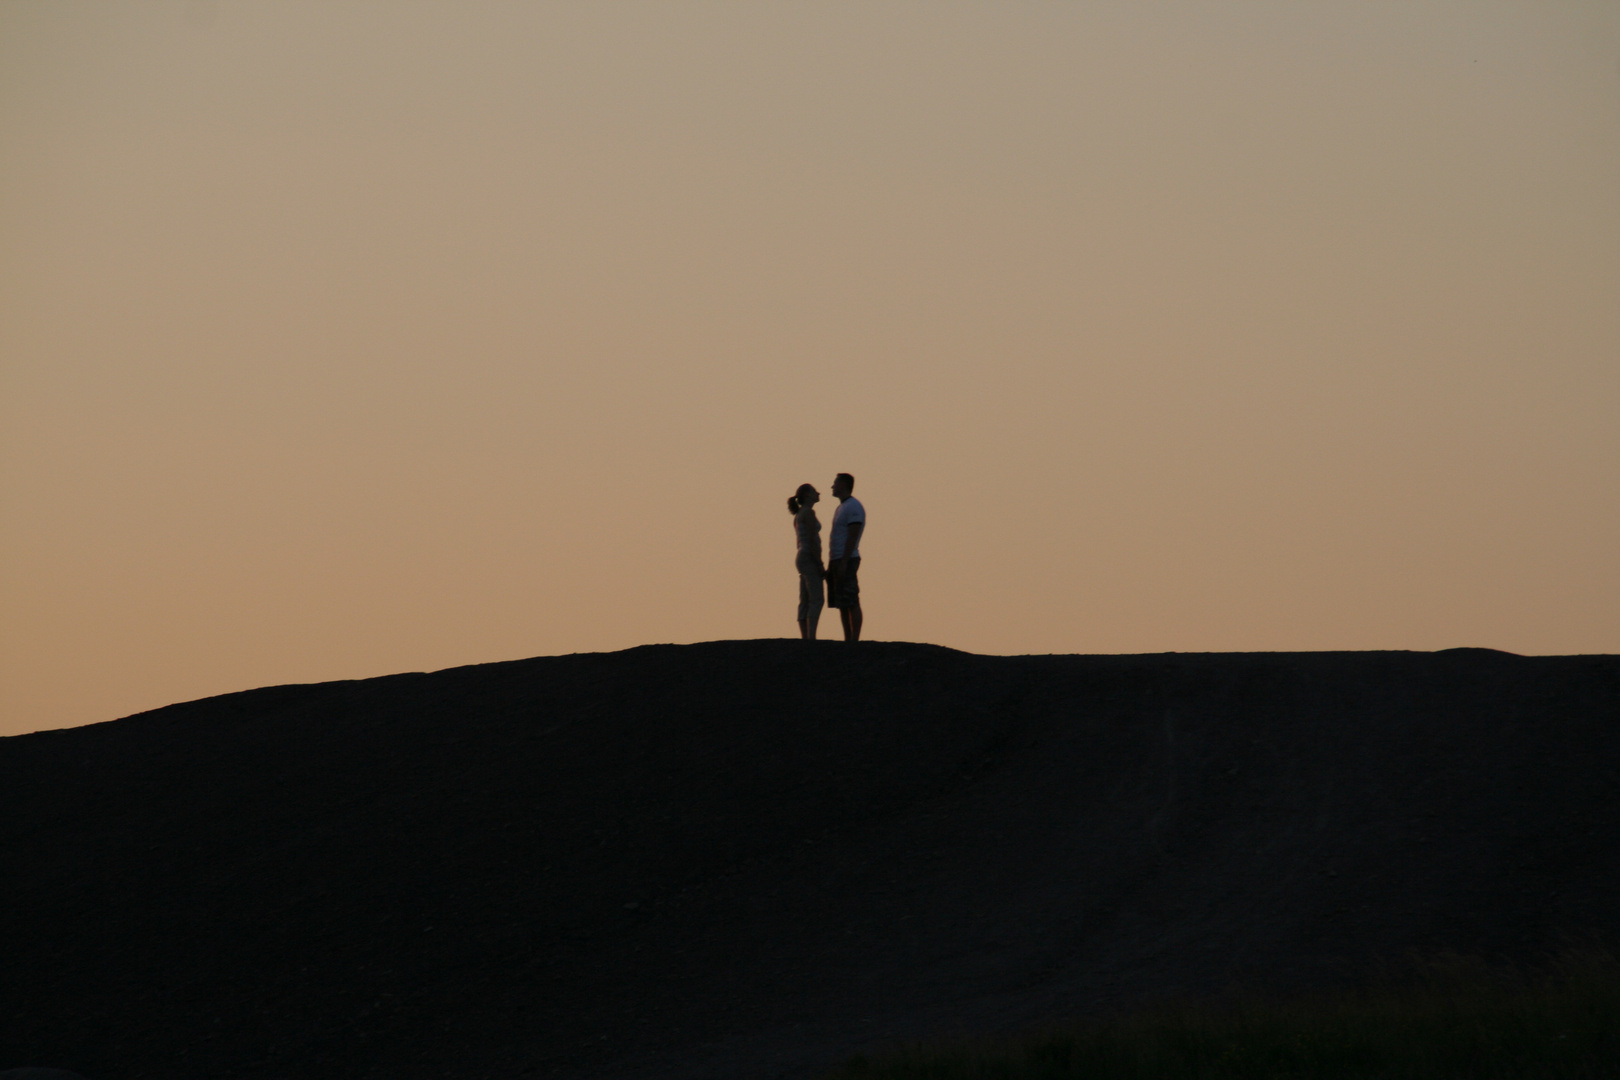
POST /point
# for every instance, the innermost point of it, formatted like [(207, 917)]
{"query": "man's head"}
[(843, 486)]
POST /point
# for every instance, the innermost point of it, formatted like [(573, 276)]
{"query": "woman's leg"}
[(804, 609), (810, 589)]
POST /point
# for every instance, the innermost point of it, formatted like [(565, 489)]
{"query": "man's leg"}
[(849, 605)]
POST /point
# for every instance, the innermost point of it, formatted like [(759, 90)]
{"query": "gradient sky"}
[(343, 339)]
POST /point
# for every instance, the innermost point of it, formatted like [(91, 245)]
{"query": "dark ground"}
[(754, 858)]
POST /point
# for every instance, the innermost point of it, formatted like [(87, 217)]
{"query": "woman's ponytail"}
[(796, 500)]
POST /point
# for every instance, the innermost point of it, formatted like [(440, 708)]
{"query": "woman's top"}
[(807, 527)]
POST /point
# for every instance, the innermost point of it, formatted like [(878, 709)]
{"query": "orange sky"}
[(343, 339)]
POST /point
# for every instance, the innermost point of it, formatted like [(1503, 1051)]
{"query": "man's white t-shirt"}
[(848, 513)]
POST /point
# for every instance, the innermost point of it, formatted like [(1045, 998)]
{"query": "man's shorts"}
[(844, 589)]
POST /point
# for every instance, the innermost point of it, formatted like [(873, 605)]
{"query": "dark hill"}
[(750, 859)]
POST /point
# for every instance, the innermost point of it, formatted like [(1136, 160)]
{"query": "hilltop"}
[(753, 858)]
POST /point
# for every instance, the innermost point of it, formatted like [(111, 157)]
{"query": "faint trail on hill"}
[(1157, 823)]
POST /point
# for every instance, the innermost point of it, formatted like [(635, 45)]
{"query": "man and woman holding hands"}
[(843, 557)]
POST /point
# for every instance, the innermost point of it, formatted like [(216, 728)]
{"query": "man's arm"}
[(852, 541)]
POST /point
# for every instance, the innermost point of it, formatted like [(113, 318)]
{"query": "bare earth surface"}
[(755, 858)]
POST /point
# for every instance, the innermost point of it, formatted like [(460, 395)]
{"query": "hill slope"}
[(752, 858)]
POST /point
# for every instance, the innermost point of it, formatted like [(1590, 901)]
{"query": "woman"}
[(807, 529)]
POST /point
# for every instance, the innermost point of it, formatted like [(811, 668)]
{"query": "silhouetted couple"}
[(843, 559)]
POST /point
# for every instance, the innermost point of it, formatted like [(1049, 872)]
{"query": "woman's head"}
[(807, 495)]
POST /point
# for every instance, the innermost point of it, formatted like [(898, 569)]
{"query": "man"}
[(844, 556)]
